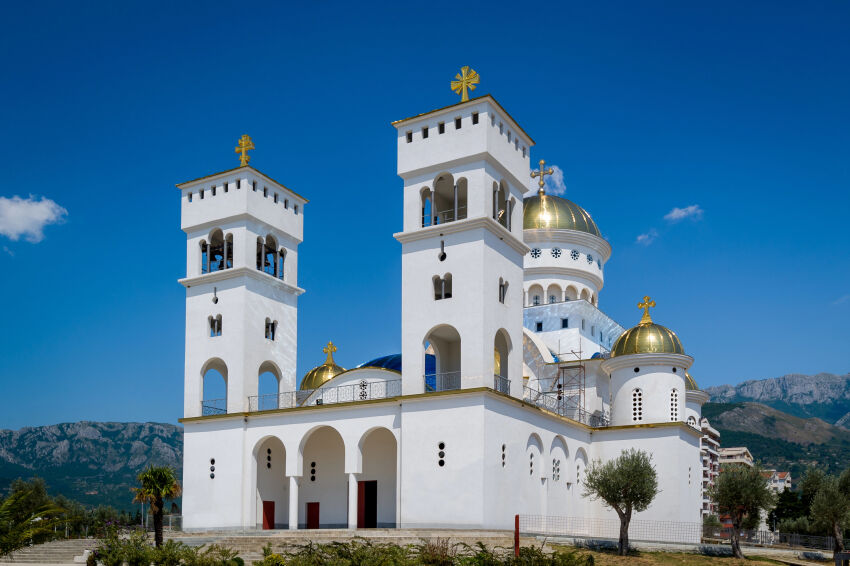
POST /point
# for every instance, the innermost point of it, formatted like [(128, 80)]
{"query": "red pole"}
[(516, 535)]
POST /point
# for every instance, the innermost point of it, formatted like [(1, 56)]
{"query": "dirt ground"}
[(672, 559)]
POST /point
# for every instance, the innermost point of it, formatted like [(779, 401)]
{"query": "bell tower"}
[(242, 230), (465, 169)]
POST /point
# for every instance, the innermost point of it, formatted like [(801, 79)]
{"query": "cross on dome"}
[(245, 144), (646, 305), (540, 174), (329, 350), (466, 79)]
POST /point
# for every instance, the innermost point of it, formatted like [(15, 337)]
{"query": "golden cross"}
[(245, 144), (645, 305), (540, 174), (329, 350), (466, 79)]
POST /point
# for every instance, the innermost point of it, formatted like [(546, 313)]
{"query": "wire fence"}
[(769, 538), (585, 527)]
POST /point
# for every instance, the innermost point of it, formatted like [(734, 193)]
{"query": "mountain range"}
[(93, 463), (788, 423)]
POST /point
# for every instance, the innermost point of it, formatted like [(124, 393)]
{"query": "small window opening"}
[(425, 132), (565, 323), (225, 186), (275, 198), (295, 209), (201, 194), (254, 185), (492, 119), (271, 329), (501, 128), (190, 197), (265, 192), (509, 137), (442, 287), (441, 128), (286, 203), (212, 190), (538, 327), (535, 300), (475, 117), (523, 151), (457, 123), (409, 137), (503, 290), (215, 326), (583, 324)]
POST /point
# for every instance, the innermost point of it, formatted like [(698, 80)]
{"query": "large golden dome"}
[(320, 375), (551, 212), (647, 337)]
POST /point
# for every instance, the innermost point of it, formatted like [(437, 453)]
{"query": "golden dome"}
[(320, 375), (647, 337), (690, 383), (547, 211)]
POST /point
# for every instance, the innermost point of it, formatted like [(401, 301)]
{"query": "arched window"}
[(271, 329), (449, 200), (535, 300), (205, 255), (553, 294), (501, 211), (426, 198), (692, 421), (503, 290), (637, 405), (215, 325), (442, 287), (674, 405), (267, 256), (217, 250)]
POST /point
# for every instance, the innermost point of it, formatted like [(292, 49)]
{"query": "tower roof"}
[(647, 337)]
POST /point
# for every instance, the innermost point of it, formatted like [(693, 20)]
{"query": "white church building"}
[(510, 380)]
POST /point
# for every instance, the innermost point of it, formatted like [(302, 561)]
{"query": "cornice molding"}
[(562, 272), (697, 396), (235, 273), (462, 226), (651, 359)]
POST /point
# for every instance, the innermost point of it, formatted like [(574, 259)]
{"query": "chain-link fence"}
[(584, 527)]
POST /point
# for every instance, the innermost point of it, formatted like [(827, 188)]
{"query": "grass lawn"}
[(671, 559)]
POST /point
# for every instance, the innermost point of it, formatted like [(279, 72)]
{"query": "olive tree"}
[(626, 484), (831, 507), (742, 492)]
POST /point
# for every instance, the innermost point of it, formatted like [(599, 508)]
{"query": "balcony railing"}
[(502, 384), (213, 407), (445, 381), (449, 215), (362, 391), (562, 405)]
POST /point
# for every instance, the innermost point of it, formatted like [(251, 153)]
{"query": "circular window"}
[(674, 370), (441, 446), (312, 464), (212, 461), (556, 252), (589, 259), (269, 465), (637, 370), (441, 463), (268, 450), (535, 252), (574, 254), (441, 454), (212, 468), (212, 476)]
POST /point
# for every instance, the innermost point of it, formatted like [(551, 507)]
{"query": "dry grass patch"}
[(604, 558)]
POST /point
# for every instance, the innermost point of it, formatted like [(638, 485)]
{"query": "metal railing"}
[(352, 392), (585, 527), (502, 384), (768, 538), (213, 407), (561, 404), (444, 216), (446, 381)]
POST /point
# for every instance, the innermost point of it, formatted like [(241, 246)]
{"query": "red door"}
[(268, 515), (313, 515), (367, 504)]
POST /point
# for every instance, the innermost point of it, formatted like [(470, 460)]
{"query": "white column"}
[(455, 218), (431, 220), (352, 501), (293, 502)]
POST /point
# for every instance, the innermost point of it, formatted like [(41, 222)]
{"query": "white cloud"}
[(694, 212), (647, 238), (27, 217), (555, 182), (841, 300)]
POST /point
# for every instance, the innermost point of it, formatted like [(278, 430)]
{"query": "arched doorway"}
[(214, 387), (323, 495), (271, 497), (376, 484)]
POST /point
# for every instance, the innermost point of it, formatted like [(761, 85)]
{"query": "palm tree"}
[(18, 531), (158, 484)]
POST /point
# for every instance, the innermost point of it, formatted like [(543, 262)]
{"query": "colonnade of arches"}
[(554, 293), (217, 253), (442, 353), (214, 376), (562, 469), (334, 483), (446, 200)]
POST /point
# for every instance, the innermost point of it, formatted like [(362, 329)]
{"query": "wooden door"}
[(268, 515), (367, 504), (313, 515)]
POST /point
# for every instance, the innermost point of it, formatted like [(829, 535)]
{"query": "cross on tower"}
[(646, 305), (466, 79), (540, 174), (245, 144), (329, 350)]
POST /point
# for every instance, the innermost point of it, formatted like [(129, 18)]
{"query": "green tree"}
[(25, 516), (158, 484), (626, 484), (789, 505), (809, 486), (741, 492), (831, 508)]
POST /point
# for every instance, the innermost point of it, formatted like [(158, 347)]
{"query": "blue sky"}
[(738, 109)]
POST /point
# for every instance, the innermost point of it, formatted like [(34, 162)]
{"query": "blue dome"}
[(393, 362)]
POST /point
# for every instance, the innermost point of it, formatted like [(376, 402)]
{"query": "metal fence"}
[(445, 381), (562, 405), (169, 522), (213, 407), (769, 538), (362, 391), (502, 384), (584, 527)]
